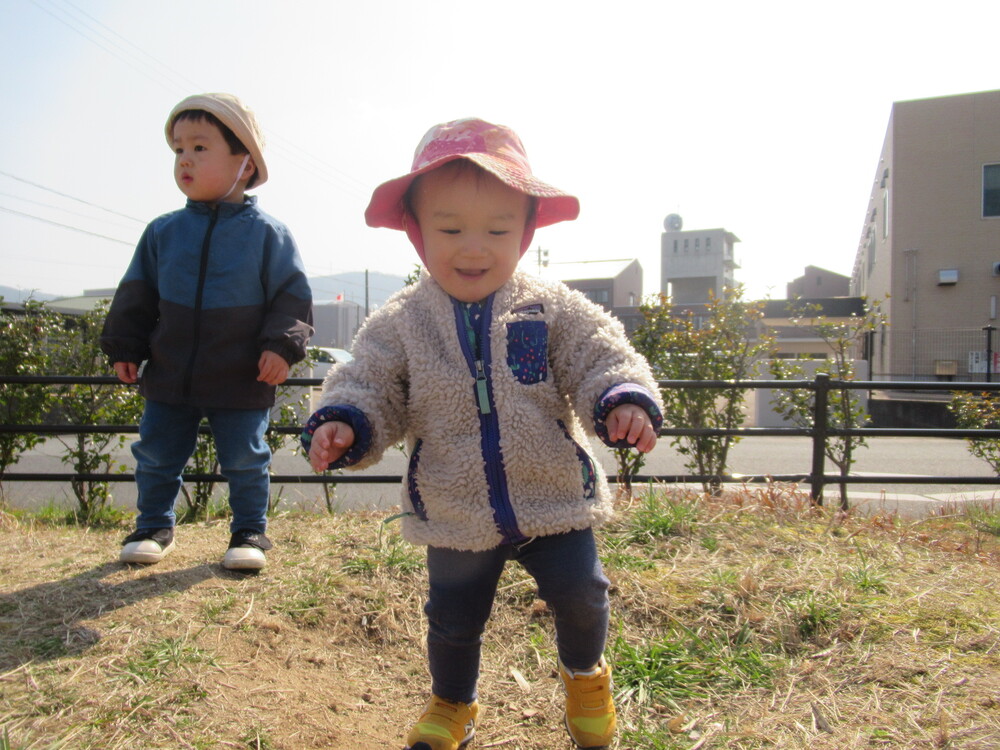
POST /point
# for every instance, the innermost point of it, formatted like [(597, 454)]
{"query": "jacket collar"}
[(225, 209)]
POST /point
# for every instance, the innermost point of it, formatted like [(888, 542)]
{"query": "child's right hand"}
[(330, 441), (127, 372)]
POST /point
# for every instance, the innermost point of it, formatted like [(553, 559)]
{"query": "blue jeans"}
[(463, 584), (167, 437)]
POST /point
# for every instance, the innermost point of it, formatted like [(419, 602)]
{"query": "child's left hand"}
[(273, 368), (632, 423)]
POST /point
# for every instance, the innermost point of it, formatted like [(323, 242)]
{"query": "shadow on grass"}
[(50, 620)]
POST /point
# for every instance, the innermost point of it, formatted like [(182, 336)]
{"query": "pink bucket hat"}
[(495, 148)]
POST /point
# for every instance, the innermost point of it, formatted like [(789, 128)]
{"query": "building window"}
[(685, 245), (991, 190), (871, 249), (885, 214), (675, 246), (708, 244), (697, 243), (598, 296)]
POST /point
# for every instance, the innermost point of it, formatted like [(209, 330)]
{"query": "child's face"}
[(204, 169), (472, 227)]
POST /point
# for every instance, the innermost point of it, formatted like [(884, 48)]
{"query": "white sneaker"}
[(246, 551), (147, 546)]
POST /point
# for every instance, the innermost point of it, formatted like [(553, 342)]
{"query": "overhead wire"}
[(53, 207), (70, 197), (122, 49), (65, 226)]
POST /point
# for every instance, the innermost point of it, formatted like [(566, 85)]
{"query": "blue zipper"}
[(489, 425)]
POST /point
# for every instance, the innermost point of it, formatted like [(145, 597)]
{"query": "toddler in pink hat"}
[(494, 378)]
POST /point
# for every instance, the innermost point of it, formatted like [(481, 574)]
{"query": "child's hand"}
[(273, 368), (330, 441), (632, 423), (127, 372)]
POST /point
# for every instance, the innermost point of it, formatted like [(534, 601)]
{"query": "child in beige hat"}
[(216, 304)]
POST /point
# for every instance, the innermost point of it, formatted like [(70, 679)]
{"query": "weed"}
[(867, 576), (308, 602), (160, 658), (812, 612), (258, 739), (391, 553), (985, 518), (660, 516), (625, 561), (684, 665), (214, 609), (652, 737), (106, 517)]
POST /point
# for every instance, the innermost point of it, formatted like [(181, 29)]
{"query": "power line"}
[(71, 197), (165, 76), (66, 226), (88, 33), (53, 207)]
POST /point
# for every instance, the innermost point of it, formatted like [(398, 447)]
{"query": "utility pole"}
[(366, 294), (543, 259), (988, 329)]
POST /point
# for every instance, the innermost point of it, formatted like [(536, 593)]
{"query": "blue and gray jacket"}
[(207, 292)]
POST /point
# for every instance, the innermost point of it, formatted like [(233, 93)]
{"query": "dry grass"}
[(753, 622)]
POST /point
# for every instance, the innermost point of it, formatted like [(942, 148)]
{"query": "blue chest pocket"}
[(527, 350)]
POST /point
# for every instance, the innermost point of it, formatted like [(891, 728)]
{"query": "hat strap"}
[(239, 173)]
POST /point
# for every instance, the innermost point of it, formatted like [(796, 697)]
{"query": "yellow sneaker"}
[(590, 712), (444, 725)]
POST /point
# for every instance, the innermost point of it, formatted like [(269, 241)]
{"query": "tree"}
[(721, 344), (845, 410), (78, 353), (23, 351), (979, 411)]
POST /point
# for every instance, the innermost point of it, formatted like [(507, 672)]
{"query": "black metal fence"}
[(819, 433)]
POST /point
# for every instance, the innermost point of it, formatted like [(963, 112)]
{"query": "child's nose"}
[(476, 244)]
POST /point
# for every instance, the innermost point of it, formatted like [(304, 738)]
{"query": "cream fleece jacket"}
[(497, 442)]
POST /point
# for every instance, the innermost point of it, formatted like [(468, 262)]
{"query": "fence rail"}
[(819, 433)]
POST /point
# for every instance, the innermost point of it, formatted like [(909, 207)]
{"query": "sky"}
[(764, 118)]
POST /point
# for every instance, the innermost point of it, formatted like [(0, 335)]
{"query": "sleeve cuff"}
[(624, 393), (350, 415)]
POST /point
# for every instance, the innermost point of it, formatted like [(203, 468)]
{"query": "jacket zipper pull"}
[(482, 395)]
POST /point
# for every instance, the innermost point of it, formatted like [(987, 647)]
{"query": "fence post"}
[(819, 436)]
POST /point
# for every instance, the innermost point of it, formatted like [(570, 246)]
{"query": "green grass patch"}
[(683, 665), (163, 657)]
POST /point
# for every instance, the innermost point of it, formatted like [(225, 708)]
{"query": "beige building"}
[(818, 282), (695, 265), (609, 283), (930, 243)]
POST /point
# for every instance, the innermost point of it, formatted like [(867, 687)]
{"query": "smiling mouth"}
[(470, 273)]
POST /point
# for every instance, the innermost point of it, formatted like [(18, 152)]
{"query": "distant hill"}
[(381, 286), (13, 294)]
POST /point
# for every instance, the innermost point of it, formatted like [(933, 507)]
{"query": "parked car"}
[(325, 357)]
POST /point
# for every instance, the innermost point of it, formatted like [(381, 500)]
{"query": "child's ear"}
[(249, 170)]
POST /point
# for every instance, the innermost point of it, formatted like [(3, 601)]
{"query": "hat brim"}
[(386, 208)]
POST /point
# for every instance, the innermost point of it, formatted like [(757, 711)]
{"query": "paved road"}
[(759, 455)]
